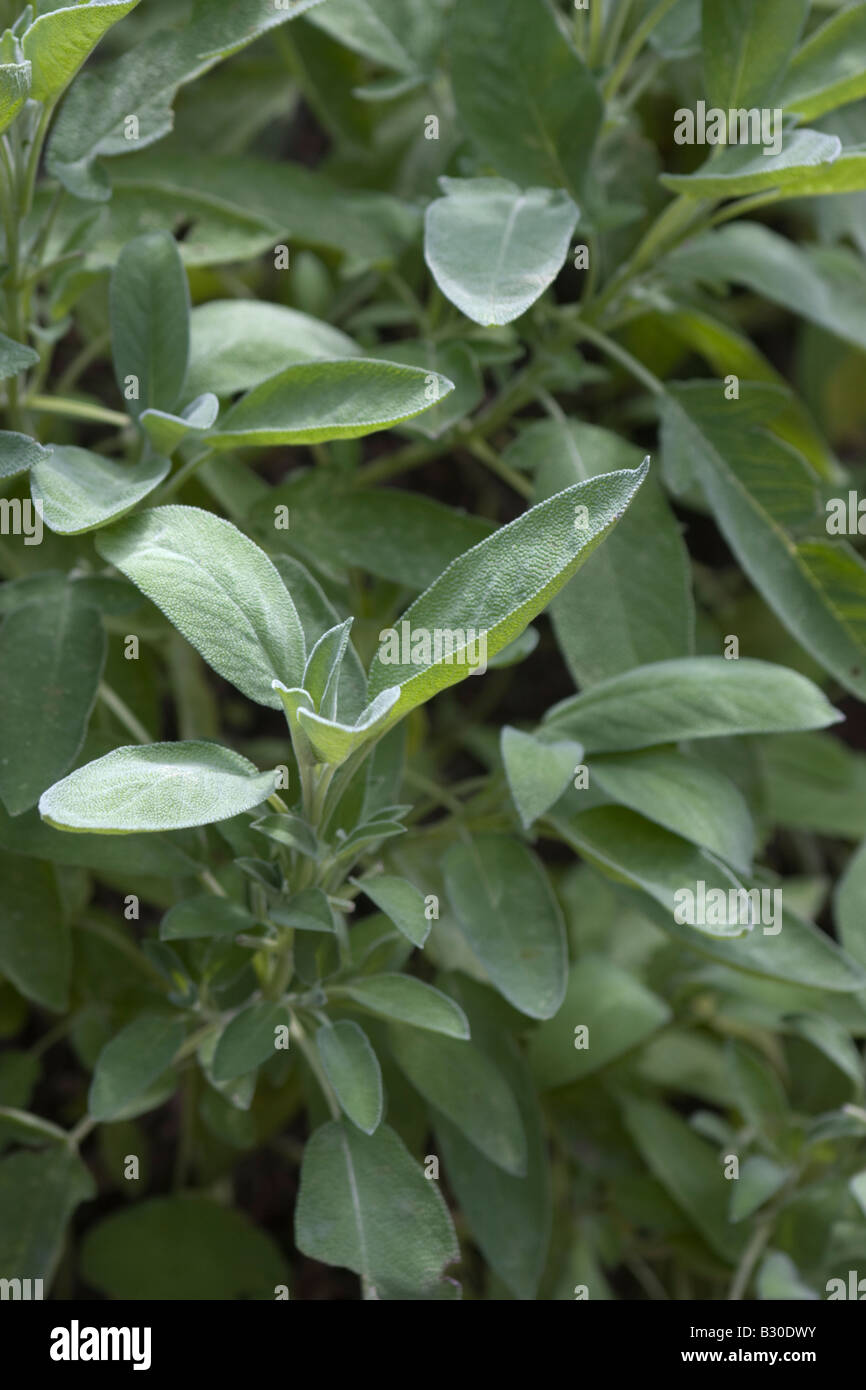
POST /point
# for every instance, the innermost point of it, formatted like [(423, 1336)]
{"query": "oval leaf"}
[(79, 490), (353, 1070)]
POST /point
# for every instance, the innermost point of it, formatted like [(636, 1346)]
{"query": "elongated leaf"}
[(538, 773), (632, 602), (167, 431), (145, 79), (18, 452), (353, 1071), (457, 1079), (399, 34), (532, 106), (364, 1203), (14, 89), (309, 403), (747, 45), (57, 43), (150, 322), (248, 1040), (204, 915), (400, 900), (499, 586), (849, 906), (132, 1061), (809, 163), (14, 357), (817, 588), (219, 589), (614, 1008), (158, 856), (457, 362), (407, 1000), (322, 671), (80, 491), (238, 343), (38, 1194), (160, 786), (35, 952), (689, 797), (701, 697), (633, 851), (506, 909), (334, 741), (187, 1247), (830, 67), (494, 249), (51, 660)]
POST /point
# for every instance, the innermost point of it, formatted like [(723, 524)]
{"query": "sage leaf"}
[(150, 322), (38, 1194), (828, 70), (133, 1059), (57, 43), (81, 491), (353, 1070), (537, 772), (747, 46), (14, 357), (408, 1000), (35, 950), (401, 902), (237, 343), (248, 1040)]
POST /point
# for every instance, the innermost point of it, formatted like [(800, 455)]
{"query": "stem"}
[(312, 1060), (211, 884), (624, 358), (77, 410), (634, 46), (515, 480), (123, 713), (615, 26), (177, 480), (751, 1254), (596, 20)]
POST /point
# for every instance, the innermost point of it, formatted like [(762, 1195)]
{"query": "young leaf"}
[(532, 106), (808, 164), (334, 742), (235, 344), (505, 906), (308, 910), (830, 68), (324, 664), (35, 950), (14, 91), (461, 1082), (538, 773), (150, 321), (364, 1203), (699, 697), (57, 43), (51, 659), (81, 491), (493, 249), (248, 1040), (400, 900), (353, 1070), (312, 402), (407, 1000), (167, 431), (219, 589), (747, 45), (132, 1061), (499, 586), (160, 786)]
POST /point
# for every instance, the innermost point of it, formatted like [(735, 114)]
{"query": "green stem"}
[(122, 712), (615, 26), (624, 358), (177, 480), (515, 480), (77, 410), (634, 46)]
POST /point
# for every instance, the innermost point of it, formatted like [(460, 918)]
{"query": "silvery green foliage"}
[(432, 633)]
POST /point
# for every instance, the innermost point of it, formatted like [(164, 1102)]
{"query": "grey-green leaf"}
[(158, 786), (219, 589), (249, 1039), (35, 950), (150, 322), (537, 772), (494, 248), (353, 1070), (14, 90), (237, 343), (401, 901), (18, 452), (829, 69), (409, 1000), (14, 357), (38, 1194), (80, 491), (132, 1061), (57, 43), (747, 45)]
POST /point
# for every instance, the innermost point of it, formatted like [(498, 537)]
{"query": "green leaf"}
[(160, 786), (532, 107), (506, 909), (312, 402), (365, 1204), (204, 915), (407, 1000), (150, 322), (322, 672), (308, 910), (249, 1040), (849, 906), (35, 950), (80, 491), (499, 586), (144, 80), (290, 830), (493, 249), (699, 697), (815, 782), (238, 343), (401, 901), (830, 68), (401, 536), (462, 1083), (158, 856), (130, 1063), (18, 452), (689, 1170), (632, 602), (38, 1194), (808, 164), (219, 589), (334, 741), (14, 357), (14, 91), (747, 45), (760, 1179), (538, 773), (635, 852), (186, 1247), (167, 431), (617, 1011), (778, 1279), (353, 1070), (756, 486), (398, 34), (57, 43), (455, 361), (51, 660), (689, 797)]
